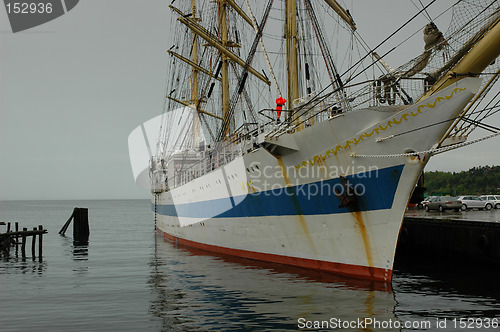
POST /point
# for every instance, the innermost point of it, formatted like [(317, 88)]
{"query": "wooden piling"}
[(23, 245), (66, 225), (33, 243), (40, 228), (17, 237), (81, 230), (8, 226)]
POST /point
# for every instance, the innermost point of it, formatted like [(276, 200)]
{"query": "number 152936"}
[(29, 8)]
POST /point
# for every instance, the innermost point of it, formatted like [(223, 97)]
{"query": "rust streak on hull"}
[(364, 235)]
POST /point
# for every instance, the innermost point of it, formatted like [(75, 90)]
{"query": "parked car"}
[(421, 205), (442, 203), (493, 199), (474, 202)]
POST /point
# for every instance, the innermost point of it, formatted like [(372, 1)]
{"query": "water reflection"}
[(81, 252), (197, 291), (14, 261), (438, 288), (14, 264)]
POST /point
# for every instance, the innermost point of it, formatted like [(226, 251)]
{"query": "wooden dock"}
[(15, 238)]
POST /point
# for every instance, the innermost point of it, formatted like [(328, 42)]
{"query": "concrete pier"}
[(472, 236)]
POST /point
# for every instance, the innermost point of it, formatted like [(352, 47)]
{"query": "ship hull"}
[(317, 198)]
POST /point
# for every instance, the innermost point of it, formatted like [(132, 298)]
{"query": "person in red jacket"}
[(279, 106)]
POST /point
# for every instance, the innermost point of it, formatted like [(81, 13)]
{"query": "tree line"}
[(480, 180)]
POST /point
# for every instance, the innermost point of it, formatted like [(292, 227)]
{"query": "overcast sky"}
[(72, 90)]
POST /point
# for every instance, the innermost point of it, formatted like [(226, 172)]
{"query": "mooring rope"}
[(431, 151)]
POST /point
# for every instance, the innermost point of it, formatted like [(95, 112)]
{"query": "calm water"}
[(129, 279)]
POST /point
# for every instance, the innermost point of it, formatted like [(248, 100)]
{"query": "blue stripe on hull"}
[(309, 199)]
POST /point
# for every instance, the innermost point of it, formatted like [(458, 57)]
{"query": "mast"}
[(240, 11), (481, 55), (222, 44), (192, 64), (291, 52), (225, 65), (214, 41), (194, 58), (344, 14), (194, 75)]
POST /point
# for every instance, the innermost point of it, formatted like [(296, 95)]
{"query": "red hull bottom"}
[(357, 271)]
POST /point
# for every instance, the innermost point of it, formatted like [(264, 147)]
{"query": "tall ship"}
[(288, 138)]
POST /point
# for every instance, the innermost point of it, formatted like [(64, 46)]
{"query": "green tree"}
[(476, 181)]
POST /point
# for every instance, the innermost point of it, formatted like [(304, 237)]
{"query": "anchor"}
[(347, 196)]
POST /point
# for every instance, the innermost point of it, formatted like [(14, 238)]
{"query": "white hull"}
[(281, 206)]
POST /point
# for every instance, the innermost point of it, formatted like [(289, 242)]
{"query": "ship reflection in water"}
[(197, 291)]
